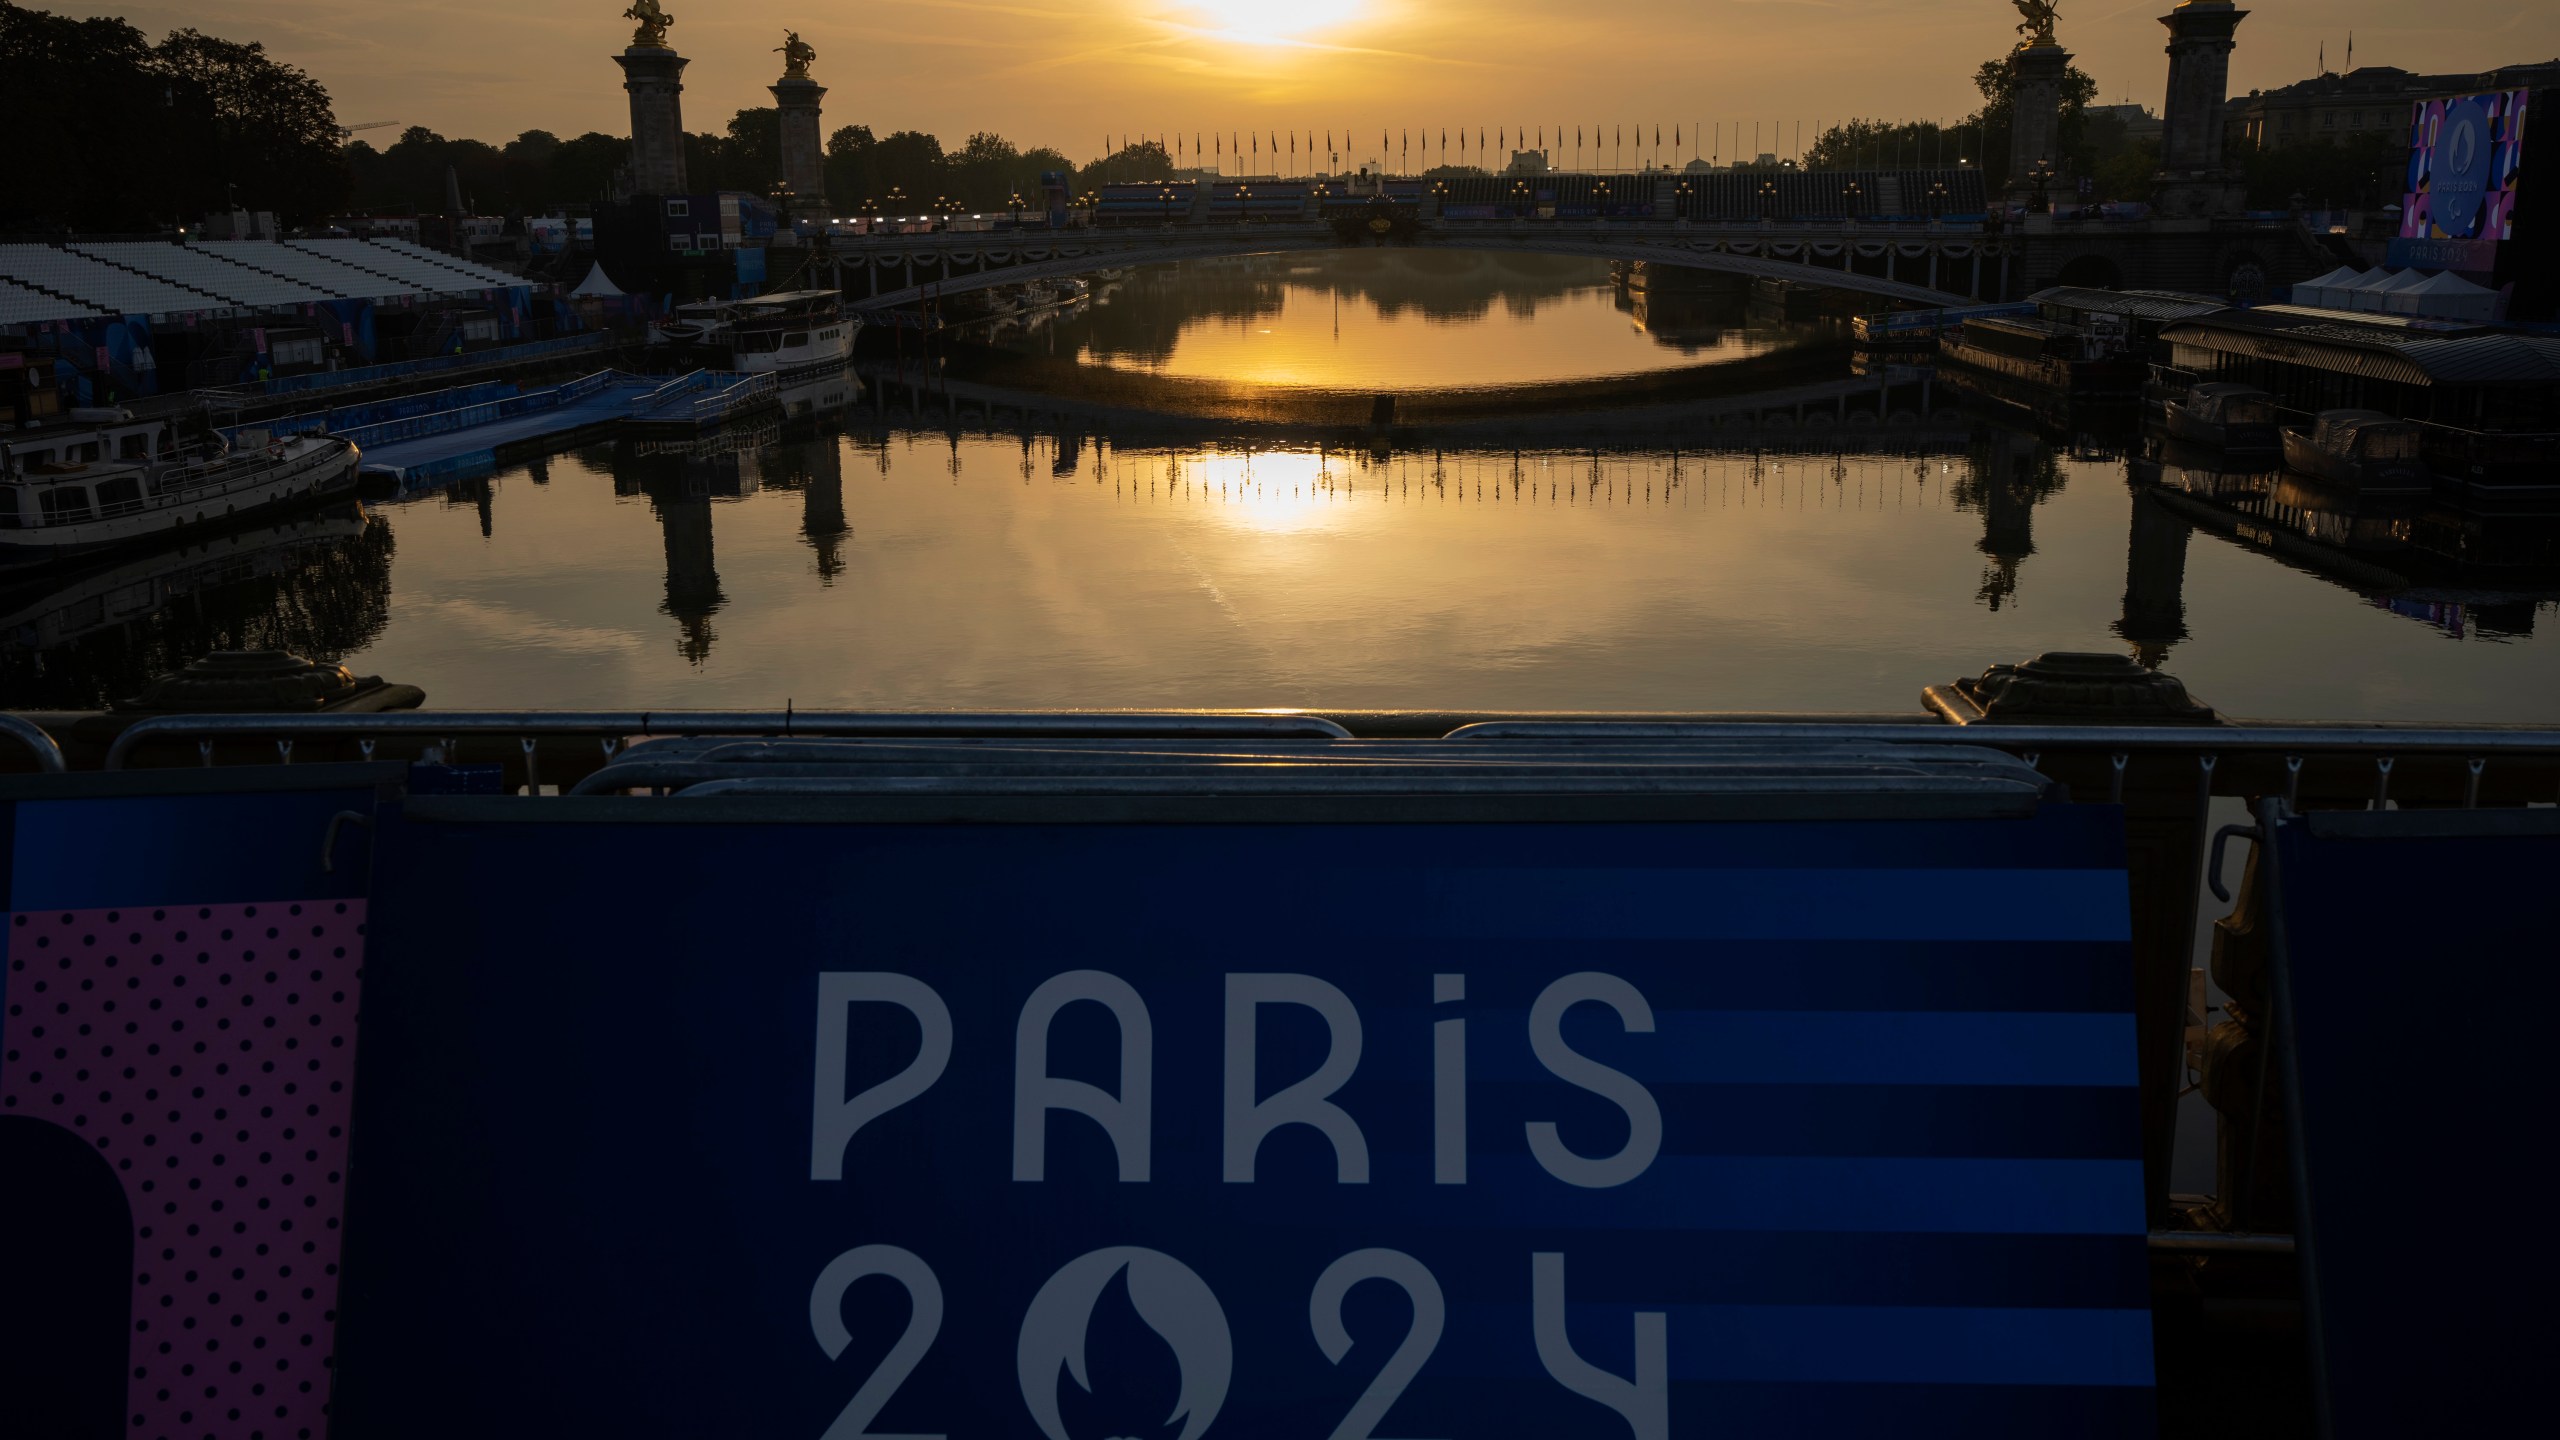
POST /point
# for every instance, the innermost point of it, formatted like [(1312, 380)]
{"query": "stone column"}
[(654, 76), (804, 154), (2193, 178), (2035, 119)]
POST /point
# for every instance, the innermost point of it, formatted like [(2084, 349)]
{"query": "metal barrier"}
[(2166, 776), (531, 727), (404, 369), (28, 733)]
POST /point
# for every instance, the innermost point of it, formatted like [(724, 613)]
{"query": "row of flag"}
[(1204, 145)]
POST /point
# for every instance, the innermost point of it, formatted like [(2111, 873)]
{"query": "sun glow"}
[(1270, 21)]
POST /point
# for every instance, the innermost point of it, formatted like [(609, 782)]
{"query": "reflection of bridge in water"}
[(1896, 409)]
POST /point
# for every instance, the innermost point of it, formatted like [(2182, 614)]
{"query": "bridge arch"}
[(1829, 262)]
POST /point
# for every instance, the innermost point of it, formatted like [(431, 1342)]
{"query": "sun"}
[(1271, 20)]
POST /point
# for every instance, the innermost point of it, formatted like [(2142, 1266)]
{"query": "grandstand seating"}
[(22, 306), (199, 268), (416, 264), (326, 277), (95, 282), (83, 279)]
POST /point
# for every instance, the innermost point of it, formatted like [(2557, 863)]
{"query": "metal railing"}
[(33, 736), (531, 727)]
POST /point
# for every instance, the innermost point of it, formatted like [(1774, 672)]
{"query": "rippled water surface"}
[(1833, 543)]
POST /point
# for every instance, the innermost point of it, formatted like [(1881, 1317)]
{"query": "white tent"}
[(2363, 292), (597, 286), (2320, 292), (2446, 296)]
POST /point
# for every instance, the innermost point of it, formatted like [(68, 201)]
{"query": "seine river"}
[(1172, 494)]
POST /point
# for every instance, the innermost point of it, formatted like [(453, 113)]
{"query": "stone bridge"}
[(1917, 263)]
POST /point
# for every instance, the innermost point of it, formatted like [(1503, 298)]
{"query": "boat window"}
[(120, 496), (11, 497), (2389, 443), (136, 446), (794, 341), (65, 504), (84, 454)]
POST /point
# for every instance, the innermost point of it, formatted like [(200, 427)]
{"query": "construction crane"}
[(347, 131)]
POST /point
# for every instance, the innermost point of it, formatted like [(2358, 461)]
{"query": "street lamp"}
[(1244, 204), (1937, 199), (1849, 194), (2043, 173), (1768, 199), (1600, 194), (1683, 208), (1017, 208), (1164, 192), (898, 201), (1520, 205)]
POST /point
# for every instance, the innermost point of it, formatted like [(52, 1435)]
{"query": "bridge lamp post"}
[(1682, 212), (897, 201), (1850, 194), (2042, 173), (1440, 194), (1768, 199), (1017, 208), (1165, 194), (1600, 195), (1244, 204), (1937, 199), (1520, 198)]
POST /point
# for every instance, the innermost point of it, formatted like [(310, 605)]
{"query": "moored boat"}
[(2234, 419), (111, 482), (2364, 450), (769, 334)]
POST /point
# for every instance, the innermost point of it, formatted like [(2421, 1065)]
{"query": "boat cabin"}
[(2025, 338), (2218, 403), (96, 471), (2367, 435)]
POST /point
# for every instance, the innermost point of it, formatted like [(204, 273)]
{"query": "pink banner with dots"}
[(208, 1055)]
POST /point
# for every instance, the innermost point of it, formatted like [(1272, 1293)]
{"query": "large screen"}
[(2465, 158)]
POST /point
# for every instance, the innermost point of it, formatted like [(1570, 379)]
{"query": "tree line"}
[(116, 133), (908, 170)]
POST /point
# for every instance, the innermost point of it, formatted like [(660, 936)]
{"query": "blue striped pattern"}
[(1898, 1190)]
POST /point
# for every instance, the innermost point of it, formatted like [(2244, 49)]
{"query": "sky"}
[(1070, 73)]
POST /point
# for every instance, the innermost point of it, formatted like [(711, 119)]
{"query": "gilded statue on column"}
[(654, 21), (2038, 26), (796, 56)]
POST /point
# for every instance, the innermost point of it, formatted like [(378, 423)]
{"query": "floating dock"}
[(471, 430)]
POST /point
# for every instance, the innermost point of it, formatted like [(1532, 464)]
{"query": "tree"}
[(1145, 160), (1884, 145), (2130, 172), (261, 132), (142, 135), (755, 150), (908, 163), (2365, 170), (89, 85), (848, 167)]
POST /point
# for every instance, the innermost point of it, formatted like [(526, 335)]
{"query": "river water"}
[(1754, 526)]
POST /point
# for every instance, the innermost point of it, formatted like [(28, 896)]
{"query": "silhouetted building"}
[(2370, 103)]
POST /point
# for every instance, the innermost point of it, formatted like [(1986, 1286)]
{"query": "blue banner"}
[(2366, 911), (1164, 1132)]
